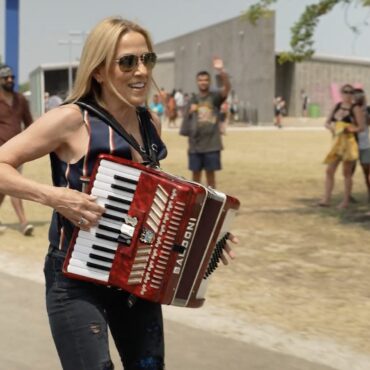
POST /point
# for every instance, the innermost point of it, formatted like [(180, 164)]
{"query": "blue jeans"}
[(80, 313)]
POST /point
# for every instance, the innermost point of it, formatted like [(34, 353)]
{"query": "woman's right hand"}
[(79, 208)]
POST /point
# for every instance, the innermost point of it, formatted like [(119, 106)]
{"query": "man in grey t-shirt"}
[(205, 143)]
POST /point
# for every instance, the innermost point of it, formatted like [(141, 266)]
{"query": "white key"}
[(120, 168), (104, 190), (90, 273), (87, 250), (86, 258), (109, 179), (85, 237)]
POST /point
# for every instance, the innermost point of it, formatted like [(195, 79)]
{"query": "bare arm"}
[(218, 64), (329, 123), (51, 132), (360, 118)]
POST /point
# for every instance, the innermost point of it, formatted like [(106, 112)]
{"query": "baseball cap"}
[(5, 70)]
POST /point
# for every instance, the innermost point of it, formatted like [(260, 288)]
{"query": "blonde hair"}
[(99, 50)]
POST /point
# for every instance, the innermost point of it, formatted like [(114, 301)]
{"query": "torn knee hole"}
[(95, 328)]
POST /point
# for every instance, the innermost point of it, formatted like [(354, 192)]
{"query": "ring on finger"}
[(81, 221)]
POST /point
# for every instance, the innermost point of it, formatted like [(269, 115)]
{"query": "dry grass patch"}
[(299, 267)]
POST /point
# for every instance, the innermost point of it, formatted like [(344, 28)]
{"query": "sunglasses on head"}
[(347, 92), (130, 61)]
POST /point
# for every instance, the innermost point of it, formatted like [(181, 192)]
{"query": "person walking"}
[(171, 110), (205, 144), (344, 122), (14, 111), (157, 107), (279, 108), (114, 73), (359, 98)]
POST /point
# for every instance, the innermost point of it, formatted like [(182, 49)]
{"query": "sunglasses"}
[(130, 61), (12, 77), (347, 92)]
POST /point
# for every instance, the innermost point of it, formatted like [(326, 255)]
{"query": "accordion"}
[(160, 237)]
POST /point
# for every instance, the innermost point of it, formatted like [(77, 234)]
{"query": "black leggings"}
[(79, 316)]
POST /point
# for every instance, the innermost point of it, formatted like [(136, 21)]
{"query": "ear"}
[(99, 74)]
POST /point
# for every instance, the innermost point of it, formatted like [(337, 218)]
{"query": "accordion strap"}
[(147, 153)]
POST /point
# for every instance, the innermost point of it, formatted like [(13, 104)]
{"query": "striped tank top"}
[(102, 140)]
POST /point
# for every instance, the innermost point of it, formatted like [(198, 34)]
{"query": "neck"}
[(118, 109), (203, 92), (7, 96)]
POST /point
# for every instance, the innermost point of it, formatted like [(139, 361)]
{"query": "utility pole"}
[(12, 37)]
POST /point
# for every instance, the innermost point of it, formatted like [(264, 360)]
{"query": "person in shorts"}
[(359, 98), (14, 111), (205, 142)]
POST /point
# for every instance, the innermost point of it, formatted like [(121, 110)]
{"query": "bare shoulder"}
[(69, 115)]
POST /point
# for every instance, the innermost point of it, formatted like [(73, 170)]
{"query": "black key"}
[(122, 239), (133, 182), (109, 228), (106, 237), (114, 208), (103, 249), (100, 258), (113, 217), (123, 188), (96, 266), (119, 200)]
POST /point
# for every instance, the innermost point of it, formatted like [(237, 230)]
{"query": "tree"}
[(303, 30)]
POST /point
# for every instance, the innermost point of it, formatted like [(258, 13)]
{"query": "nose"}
[(141, 68)]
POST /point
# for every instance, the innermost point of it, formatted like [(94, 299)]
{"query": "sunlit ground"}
[(299, 267)]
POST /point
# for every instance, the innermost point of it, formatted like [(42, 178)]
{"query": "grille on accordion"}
[(160, 237)]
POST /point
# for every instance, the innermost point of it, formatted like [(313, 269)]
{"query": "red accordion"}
[(160, 237)]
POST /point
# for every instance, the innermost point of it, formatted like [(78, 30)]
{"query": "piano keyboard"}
[(94, 251)]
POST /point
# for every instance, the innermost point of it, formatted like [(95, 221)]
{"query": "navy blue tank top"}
[(102, 140)]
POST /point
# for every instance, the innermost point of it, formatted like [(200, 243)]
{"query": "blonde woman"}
[(345, 122), (115, 71)]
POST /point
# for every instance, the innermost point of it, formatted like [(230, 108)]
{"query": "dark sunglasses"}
[(130, 61), (12, 77), (347, 92)]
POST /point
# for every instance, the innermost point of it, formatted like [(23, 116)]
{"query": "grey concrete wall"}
[(317, 75), (248, 54), (164, 73)]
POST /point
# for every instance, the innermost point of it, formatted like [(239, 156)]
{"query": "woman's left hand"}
[(228, 252)]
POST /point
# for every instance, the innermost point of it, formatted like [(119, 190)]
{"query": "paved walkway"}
[(26, 344)]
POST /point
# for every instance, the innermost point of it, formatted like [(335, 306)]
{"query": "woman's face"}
[(347, 94), (132, 84)]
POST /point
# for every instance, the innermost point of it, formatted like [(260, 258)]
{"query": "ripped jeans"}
[(79, 316)]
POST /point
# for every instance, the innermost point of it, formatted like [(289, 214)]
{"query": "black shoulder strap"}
[(146, 152)]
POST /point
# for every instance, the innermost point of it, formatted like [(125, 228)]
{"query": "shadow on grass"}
[(357, 213), (15, 225)]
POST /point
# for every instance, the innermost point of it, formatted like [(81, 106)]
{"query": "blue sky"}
[(45, 22)]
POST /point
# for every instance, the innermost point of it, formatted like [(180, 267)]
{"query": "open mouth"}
[(137, 85)]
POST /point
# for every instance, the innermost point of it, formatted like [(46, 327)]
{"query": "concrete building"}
[(321, 77), (53, 78), (249, 55)]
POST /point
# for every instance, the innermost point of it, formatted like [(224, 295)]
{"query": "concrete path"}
[(26, 343)]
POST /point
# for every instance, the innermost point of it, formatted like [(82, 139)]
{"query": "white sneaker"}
[(27, 230)]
